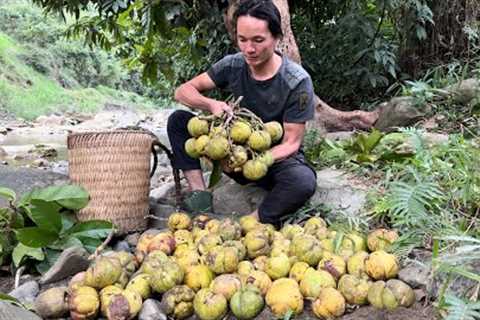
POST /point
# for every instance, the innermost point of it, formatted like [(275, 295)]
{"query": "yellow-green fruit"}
[(213, 226), (260, 263), (248, 223), (245, 268), (247, 303), (178, 302), (275, 130), (104, 271), (196, 126), (164, 241), (259, 279), (267, 158), (226, 284), (354, 289), (317, 227), (218, 131), (307, 249), (124, 305), (198, 234), (106, 295), (329, 304), (297, 272), (217, 148), (77, 280), (179, 221), (315, 280), (208, 242), (200, 221), (140, 284), (168, 275), (141, 249), (230, 230), (209, 305), (257, 243), (254, 170), (52, 303), (381, 239), (239, 157), (356, 264), (390, 295), (259, 140), (280, 246), (240, 131), (187, 258), (191, 149), (127, 261), (182, 237), (222, 259), (237, 244), (153, 261), (201, 143), (284, 295), (198, 277), (83, 303), (327, 245), (381, 265), (277, 267), (354, 241), (289, 231), (333, 264)]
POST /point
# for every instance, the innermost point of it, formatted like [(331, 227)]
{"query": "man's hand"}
[(218, 107)]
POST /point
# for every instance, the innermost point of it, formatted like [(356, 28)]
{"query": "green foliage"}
[(460, 309), (46, 227)]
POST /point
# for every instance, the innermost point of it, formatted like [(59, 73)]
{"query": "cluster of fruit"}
[(240, 140), (208, 266)]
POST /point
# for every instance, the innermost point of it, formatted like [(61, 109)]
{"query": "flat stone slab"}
[(10, 312), (70, 262)]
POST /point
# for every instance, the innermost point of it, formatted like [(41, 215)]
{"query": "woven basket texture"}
[(114, 168)]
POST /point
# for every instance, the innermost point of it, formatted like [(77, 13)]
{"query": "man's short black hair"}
[(263, 10)]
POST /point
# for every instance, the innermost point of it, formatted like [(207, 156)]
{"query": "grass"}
[(28, 94)]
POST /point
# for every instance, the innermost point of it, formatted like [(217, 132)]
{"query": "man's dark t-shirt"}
[(286, 97)]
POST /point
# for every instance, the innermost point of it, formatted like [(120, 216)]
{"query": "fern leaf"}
[(459, 309)]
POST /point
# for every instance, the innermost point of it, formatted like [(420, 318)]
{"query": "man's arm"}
[(291, 142), (190, 94)]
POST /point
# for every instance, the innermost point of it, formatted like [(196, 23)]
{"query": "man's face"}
[(255, 40)]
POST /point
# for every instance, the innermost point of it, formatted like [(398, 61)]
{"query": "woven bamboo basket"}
[(114, 167)]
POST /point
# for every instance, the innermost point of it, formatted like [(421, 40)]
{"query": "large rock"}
[(399, 112), (70, 262), (9, 312), (230, 197), (336, 191), (27, 292), (23, 180)]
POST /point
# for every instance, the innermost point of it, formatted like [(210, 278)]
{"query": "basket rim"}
[(115, 131)]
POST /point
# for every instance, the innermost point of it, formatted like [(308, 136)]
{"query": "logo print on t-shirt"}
[(303, 100)]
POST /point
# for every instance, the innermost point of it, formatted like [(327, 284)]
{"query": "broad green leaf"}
[(46, 215), (98, 229), (67, 221), (65, 243), (36, 237), (69, 196), (216, 174), (7, 193), (21, 251), (90, 244)]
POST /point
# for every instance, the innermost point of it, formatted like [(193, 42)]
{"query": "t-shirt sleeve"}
[(300, 104), (220, 72)]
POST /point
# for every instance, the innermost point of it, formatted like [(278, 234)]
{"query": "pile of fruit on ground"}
[(211, 267)]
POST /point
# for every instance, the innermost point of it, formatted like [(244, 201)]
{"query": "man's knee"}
[(178, 118), (303, 182)]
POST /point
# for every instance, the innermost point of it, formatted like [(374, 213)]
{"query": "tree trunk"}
[(326, 117)]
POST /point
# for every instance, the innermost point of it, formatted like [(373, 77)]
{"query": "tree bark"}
[(326, 117)]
